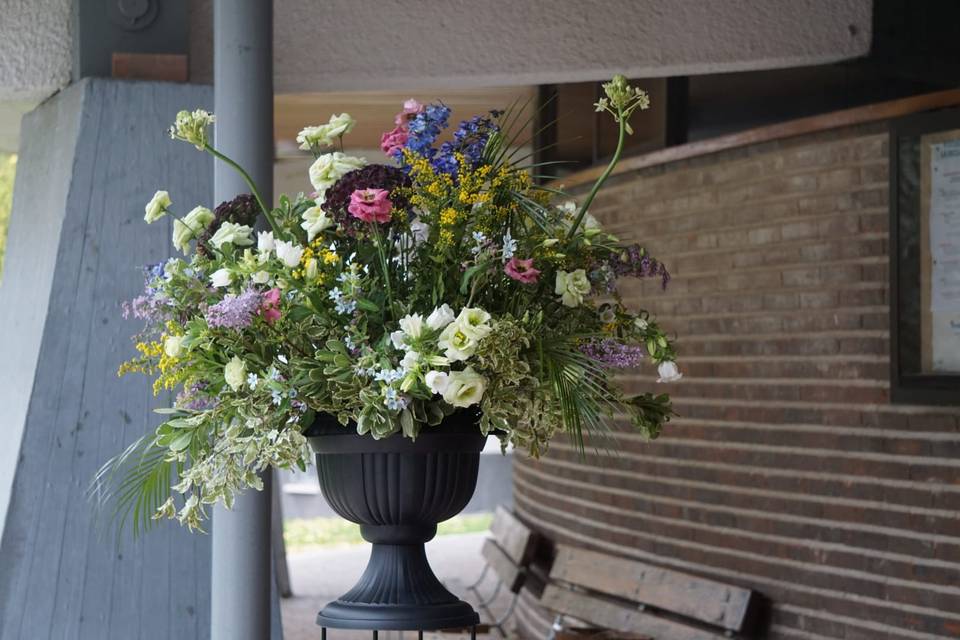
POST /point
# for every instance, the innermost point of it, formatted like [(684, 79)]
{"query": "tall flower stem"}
[(277, 231), (622, 120), (384, 265)]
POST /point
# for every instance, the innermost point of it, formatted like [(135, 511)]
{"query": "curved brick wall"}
[(789, 471)]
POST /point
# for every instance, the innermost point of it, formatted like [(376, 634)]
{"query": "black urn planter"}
[(397, 490)]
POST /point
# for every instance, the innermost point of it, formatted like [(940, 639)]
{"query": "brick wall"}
[(789, 471)]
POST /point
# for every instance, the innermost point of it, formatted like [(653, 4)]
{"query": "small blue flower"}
[(345, 307), (393, 400), (252, 380)]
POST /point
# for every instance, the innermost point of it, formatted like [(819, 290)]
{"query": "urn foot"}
[(398, 591)]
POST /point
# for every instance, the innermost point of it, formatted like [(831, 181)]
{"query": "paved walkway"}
[(320, 575)]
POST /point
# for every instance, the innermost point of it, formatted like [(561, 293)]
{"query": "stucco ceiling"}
[(387, 45)]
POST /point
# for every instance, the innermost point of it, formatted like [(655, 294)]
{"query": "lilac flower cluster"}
[(634, 261), (425, 127), (470, 139), (150, 306), (195, 398), (612, 353), (234, 311)]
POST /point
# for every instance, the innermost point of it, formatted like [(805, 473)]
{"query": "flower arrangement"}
[(392, 295)]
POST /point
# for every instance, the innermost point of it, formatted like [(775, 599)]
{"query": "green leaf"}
[(469, 274), (299, 313), (407, 423), (368, 305), (169, 411), (181, 441)]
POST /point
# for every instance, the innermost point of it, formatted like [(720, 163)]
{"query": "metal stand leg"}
[(323, 633), (480, 579), (473, 632), (376, 634)]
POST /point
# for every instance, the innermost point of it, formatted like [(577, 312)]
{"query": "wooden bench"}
[(507, 553), (641, 600)]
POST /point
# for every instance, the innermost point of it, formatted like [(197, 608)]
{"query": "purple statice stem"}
[(612, 353)]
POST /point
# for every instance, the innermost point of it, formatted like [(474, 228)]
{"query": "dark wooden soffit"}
[(792, 128)]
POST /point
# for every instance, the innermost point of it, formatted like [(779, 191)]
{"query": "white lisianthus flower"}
[(190, 228), (173, 346), (330, 167), (260, 277), (440, 317), (410, 360), (397, 338), (456, 344), (475, 322), (668, 371), (288, 252), (235, 373), (315, 220), (236, 234), (324, 135), (464, 388), (157, 207), (571, 287), (310, 137), (460, 338), (310, 272), (221, 278), (340, 125), (437, 381), (265, 242), (641, 324)]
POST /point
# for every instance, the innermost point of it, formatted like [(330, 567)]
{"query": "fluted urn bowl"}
[(397, 490)]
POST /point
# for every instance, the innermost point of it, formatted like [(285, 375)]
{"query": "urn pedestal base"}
[(398, 591), (397, 490)]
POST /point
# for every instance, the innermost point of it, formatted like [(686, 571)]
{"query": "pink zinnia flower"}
[(521, 270), (370, 205), (393, 141), (410, 108), (270, 305)]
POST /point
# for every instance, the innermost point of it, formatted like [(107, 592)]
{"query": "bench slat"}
[(698, 598), (611, 615), (502, 565), (514, 537)]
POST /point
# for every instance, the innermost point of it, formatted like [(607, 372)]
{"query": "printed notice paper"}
[(944, 247)]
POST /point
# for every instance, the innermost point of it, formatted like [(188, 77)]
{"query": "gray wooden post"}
[(243, 102)]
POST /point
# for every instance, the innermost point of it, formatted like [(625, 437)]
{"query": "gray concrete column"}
[(243, 102), (90, 157)]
